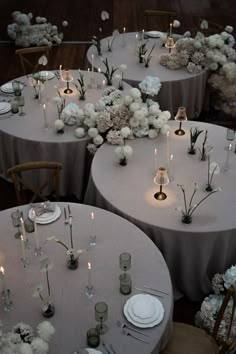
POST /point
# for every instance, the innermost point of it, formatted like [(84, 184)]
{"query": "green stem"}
[(201, 202), (48, 285), (61, 243), (190, 203), (213, 172)]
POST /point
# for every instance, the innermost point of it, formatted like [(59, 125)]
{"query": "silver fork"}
[(127, 333), (123, 325), (106, 348)]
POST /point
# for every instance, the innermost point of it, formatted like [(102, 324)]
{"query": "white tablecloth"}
[(74, 312), (194, 252), (179, 87), (23, 138)]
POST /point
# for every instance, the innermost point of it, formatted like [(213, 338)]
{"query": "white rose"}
[(79, 132), (98, 140)]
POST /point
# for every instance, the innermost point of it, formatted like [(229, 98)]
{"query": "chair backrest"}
[(230, 343), (23, 185), (213, 27), (158, 20), (29, 58)]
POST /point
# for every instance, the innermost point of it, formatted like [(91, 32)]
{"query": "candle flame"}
[(136, 36), (124, 29), (44, 106), (168, 133), (155, 151), (92, 215), (89, 265), (92, 56), (88, 69), (21, 237), (2, 270), (21, 220), (99, 70), (171, 156), (104, 82), (60, 66)]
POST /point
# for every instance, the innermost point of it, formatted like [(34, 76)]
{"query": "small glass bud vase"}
[(125, 284), (48, 308), (192, 150), (123, 161), (208, 188), (187, 219), (72, 262)]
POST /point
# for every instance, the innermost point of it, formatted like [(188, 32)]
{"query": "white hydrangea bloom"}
[(125, 132), (135, 93), (139, 114), (79, 132), (128, 100), (134, 106), (98, 140), (152, 134), (93, 132)]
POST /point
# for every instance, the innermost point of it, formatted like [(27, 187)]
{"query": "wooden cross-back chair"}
[(26, 191), (158, 20), (213, 27), (187, 339), (29, 58)]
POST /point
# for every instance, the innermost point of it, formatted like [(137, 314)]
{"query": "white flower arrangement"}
[(23, 340), (205, 318), (70, 114), (26, 34), (59, 125), (150, 85), (123, 153)]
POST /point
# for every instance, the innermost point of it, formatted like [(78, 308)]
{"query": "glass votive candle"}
[(29, 225), (93, 338), (14, 106), (125, 284), (16, 88)]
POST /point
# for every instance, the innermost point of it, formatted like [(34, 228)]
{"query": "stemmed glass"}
[(125, 279), (21, 103), (230, 134), (15, 217), (101, 313)]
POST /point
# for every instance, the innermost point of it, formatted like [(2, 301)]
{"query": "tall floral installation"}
[(26, 34), (214, 53), (205, 318)]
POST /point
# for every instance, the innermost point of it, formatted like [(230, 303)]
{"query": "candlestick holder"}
[(92, 240), (67, 77), (38, 251), (89, 291), (25, 262), (6, 296), (170, 44)]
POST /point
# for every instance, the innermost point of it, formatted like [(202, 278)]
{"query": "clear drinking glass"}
[(93, 338), (101, 313), (21, 103), (230, 135), (15, 217), (125, 279), (16, 88)]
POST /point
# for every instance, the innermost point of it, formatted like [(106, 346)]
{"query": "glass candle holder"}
[(15, 217), (93, 337), (16, 88), (14, 106), (125, 261)]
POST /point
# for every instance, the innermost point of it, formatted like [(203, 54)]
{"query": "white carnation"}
[(128, 100), (89, 108), (154, 109), (134, 122), (93, 132), (98, 140), (152, 134), (135, 93), (139, 114), (144, 122), (79, 132), (125, 132), (39, 346), (45, 330), (134, 106)]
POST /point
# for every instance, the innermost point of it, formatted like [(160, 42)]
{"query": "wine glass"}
[(101, 313), (230, 134), (125, 261), (15, 217), (21, 103)]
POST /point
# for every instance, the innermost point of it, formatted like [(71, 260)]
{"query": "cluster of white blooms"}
[(201, 52), (21, 339), (205, 318), (223, 84), (26, 34), (105, 119)]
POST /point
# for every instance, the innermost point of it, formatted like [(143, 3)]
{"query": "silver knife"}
[(148, 292), (69, 211)]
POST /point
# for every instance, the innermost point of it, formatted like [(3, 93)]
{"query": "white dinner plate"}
[(145, 310), (93, 351), (46, 218), (46, 74), (147, 322), (153, 34), (3, 105), (6, 109), (7, 88)]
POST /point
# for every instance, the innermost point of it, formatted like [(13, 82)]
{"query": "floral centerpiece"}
[(104, 120), (205, 318), (23, 340), (26, 34)]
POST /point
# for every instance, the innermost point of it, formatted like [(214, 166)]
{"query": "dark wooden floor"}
[(84, 20)]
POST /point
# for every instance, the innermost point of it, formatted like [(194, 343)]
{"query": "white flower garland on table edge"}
[(104, 120), (205, 318)]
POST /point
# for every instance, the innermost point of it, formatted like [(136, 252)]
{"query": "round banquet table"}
[(23, 138), (193, 252), (179, 87), (74, 312)]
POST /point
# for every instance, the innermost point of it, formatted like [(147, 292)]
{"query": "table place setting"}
[(9, 87), (45, 215), (5, 107)]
